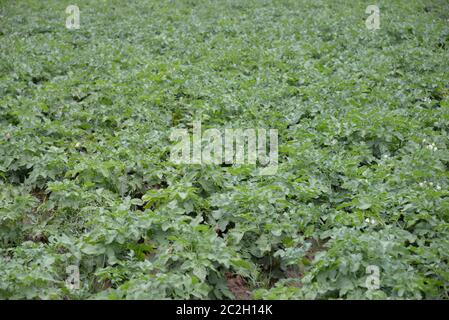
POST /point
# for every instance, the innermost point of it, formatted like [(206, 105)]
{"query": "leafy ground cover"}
[(85, 176)]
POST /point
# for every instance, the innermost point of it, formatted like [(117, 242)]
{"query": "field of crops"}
[(92, 207)]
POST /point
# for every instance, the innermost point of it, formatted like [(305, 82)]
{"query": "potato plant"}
[(358, 207)]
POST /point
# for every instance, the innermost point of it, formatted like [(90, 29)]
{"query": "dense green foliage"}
[(85, 176)]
